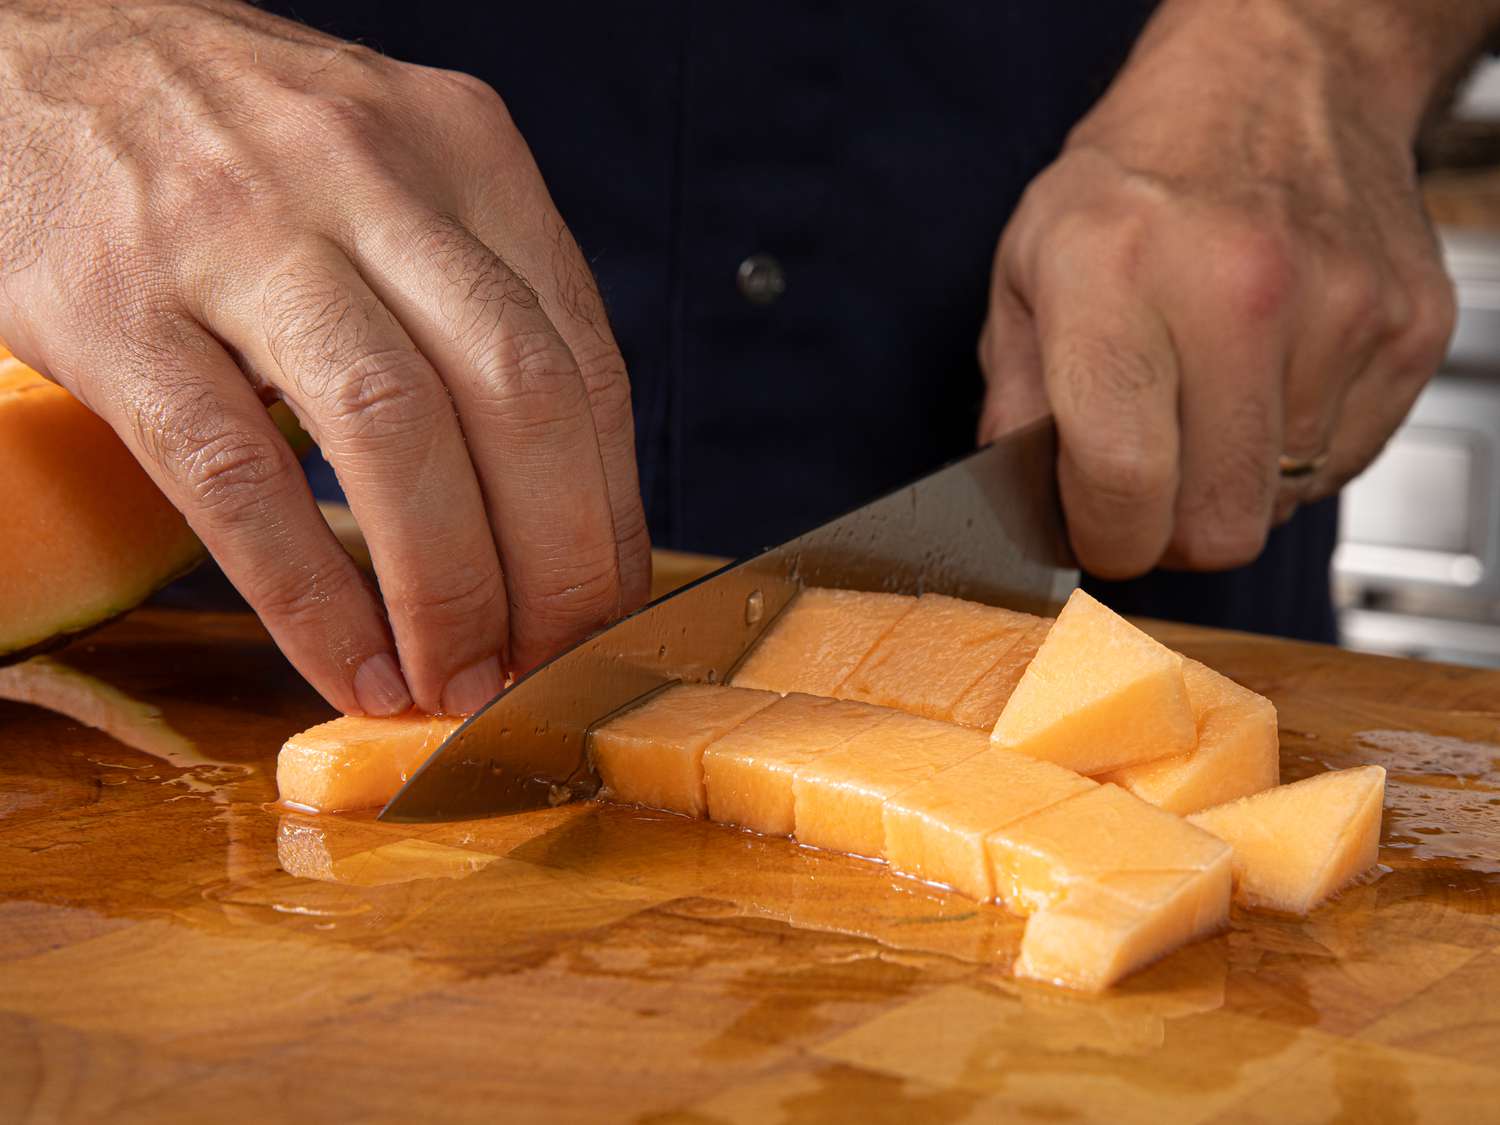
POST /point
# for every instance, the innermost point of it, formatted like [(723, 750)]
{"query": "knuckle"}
[(292, 597), (1102, 371), (457, 602), (380, 395), (1217, 544), (1255, 268), (233, 477), (1125, 471), (531, 379), (573, 599), (1433, 317)]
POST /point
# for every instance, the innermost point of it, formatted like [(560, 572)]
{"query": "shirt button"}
[(760, 279)]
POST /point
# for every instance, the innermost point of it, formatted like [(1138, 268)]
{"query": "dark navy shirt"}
[(868, 155)]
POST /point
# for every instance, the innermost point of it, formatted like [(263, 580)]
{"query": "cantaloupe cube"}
[(936, 830), (934, 654), (1238, 752), (981, 705), (748, 773), (840, 796), (652, 754), (1104, 831), (354, 762), (1109, 927), (1099, 694), (1299, 844), (819, 639)]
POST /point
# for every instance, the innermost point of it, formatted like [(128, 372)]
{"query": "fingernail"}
[(472, 688), (380, 687)]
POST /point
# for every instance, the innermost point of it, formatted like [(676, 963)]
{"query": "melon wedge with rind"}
[(1298, 845), (84, 533)]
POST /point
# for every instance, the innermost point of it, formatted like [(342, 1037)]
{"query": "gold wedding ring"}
[(1296, 467)]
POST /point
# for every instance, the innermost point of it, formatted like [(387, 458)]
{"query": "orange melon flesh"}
[(936, 830), (84, 534), (934, 654), (652, 754), (981, 705), (1238, 751), (1106, 928), (1104, 831), (1099, 695), (839, 797), (356, 763), (1297, 845), (748, 773), (819, 639)]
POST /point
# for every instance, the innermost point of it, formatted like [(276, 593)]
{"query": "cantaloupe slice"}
[(748, 773), (652, 754), (981, 705), (356, 763), (1099, 695), (936, 830), (1238, 751), (1300, 844), (840, 796), (1104, 831), (819, 639), (934, 654), (1111, 926), (84, 534)]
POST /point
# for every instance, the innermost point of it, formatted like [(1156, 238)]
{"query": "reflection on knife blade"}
[(988, 528)]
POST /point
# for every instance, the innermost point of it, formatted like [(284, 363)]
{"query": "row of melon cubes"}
[(891, 771)]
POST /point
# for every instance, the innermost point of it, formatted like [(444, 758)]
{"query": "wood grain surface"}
[(175, 948)]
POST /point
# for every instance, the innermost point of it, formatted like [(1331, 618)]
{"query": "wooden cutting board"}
[(175, 948)]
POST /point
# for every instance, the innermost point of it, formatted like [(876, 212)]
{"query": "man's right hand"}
[(202, 208)]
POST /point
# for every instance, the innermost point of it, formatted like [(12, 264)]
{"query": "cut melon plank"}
[(819, 639), (84, 533), (936, 830), (1300, 844), (1238, 751), (652, 754), (1106, 928), (981, 705), (839, 796), (748, 772), (934, 654), (1099, 695), (1103, 831), (356, 763)]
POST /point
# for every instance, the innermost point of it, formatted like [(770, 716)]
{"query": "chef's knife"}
[(987, 528)]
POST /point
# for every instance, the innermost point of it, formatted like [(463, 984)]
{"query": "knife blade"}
[(987, 527)]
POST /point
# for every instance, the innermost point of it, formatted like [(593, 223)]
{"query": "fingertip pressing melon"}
[(748, 772), (1238, 751), (354, 762), (819, 639), (1298, 845), (934, 654), (652, 754), (84, 533), (1099, 695)]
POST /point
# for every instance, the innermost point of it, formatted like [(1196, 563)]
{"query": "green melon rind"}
[(97, 616)]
